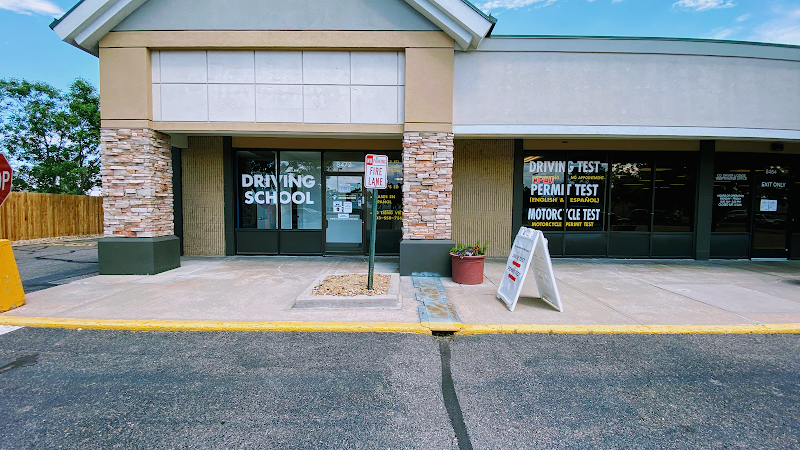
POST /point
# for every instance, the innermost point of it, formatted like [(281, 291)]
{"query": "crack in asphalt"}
[(49, 280), (451, 398), (22, 361), (54, 265), (44, 258)]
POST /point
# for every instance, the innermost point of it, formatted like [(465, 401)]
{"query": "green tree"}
[(52, 137)]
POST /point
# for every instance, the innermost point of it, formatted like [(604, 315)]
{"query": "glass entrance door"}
[(771, 213), (344, 214)]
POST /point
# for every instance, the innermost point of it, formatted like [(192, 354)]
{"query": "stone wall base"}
[(426, 257), (138, 256)]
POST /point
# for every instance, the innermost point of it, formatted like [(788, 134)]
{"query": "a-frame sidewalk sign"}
[(529, 252)]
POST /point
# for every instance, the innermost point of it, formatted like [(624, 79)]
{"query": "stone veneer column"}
[(427, 203), (136, 170), (427, 185)]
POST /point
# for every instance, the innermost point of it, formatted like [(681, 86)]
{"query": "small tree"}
[(51, 136)]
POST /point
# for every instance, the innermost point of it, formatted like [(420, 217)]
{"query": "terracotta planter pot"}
[(468, 270)]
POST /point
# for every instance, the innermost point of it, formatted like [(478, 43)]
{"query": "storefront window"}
[(558, 193), (269, 198), (543, 193), (390, 200), (586, 195), (257, 185), (731, 210), (675, 194), (300, 192), (631, 196), (795, 209), (339, 162), (573, 194)]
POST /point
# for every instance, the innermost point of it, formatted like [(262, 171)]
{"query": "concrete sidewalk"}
[(644, 292), (606, 294)]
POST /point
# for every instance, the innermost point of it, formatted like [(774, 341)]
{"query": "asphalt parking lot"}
[(45, 265), (123, 389)]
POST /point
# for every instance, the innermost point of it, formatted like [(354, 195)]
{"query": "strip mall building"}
[(240, 128)]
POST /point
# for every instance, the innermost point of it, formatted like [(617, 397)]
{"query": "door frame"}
[(755, 208), (325, 175)]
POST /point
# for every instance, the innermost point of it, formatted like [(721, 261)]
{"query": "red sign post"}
[(5, 178)]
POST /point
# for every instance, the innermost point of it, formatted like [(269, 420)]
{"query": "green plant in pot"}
[(468, 262)]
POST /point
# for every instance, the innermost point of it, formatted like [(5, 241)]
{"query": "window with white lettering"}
[(390, 200), (731, 208), (300, 195), (543, 193), (269, 198), (586, 195), (257, 179)]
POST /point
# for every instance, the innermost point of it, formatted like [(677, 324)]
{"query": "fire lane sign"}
[(5, 178), (376, 171)]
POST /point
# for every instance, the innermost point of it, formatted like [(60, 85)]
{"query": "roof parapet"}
[(88, 21)]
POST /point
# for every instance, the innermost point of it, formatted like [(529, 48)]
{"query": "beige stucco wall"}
[(125, 79), (483, 193), (203, 200), (429, 89)]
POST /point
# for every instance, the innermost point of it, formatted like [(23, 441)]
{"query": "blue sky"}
[(30, 50)]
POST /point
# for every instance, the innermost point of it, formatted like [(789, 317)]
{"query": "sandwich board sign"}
[(529, 252)]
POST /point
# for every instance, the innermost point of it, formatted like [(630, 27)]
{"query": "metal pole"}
[(373, 226)]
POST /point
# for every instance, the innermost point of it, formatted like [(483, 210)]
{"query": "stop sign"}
[(5, 178)]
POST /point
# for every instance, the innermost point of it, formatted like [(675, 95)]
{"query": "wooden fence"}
[(28, 215)]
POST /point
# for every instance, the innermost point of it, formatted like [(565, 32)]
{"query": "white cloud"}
[(704, 5), (510, 4), (783, 30), (744, 17), (723, 33), (30, 7), (516, 4)]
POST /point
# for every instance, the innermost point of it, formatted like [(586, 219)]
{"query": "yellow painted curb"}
[(11, 293), (793, 328), (390, 327), (469, 330), (202, 325), (443, 326)]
